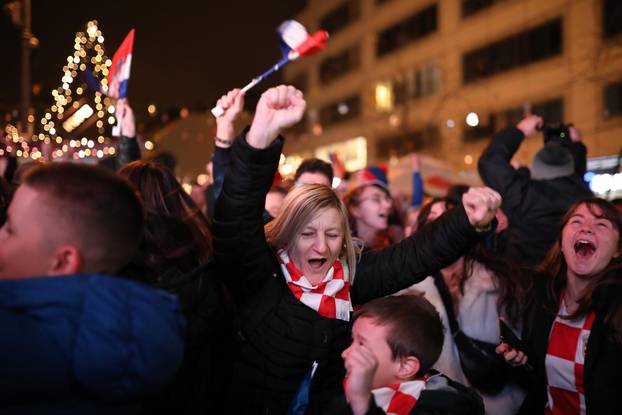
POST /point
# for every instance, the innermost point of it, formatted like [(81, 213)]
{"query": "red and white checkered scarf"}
[(564, 363), (330, 298), (399, 399)]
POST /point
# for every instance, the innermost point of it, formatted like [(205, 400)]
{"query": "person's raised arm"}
[(495, 166), (417, 196), (126, 129), (232, 105), (431, 248), (578, 151), (277, 109), (239, 239)]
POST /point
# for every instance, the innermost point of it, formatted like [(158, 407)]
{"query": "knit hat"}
[(375, 175), (552, 161), (369, 176)]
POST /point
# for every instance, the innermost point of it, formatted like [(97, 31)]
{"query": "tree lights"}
[(75, 106)]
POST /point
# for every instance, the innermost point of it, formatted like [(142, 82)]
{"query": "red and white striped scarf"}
[(330, 298), (564, 363), (399, 399)]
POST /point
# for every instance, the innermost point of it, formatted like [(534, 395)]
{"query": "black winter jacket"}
[(283, 337), (603, 359), (534, 207)]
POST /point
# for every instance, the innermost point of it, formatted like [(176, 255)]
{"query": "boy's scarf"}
[(399, 399)]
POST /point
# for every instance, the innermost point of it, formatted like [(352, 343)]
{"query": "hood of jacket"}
[(104, 337)]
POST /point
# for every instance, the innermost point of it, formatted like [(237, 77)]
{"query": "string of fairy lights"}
[(72, 106)]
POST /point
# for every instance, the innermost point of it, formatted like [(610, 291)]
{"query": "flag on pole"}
[(295, 42), (119, 74)]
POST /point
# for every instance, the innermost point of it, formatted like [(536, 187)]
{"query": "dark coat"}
[(534, 207), (603, 359), (442, 396), (210, 340), (85, 344), (283, 337)]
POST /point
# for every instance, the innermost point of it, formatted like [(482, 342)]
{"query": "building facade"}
[(402, 75)]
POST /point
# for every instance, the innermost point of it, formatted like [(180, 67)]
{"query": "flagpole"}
[(217, 111)]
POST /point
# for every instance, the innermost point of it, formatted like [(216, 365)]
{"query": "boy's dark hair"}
[(415, 328), (315, 166), (98, 210)]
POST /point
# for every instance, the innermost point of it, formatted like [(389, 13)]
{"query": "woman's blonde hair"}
[(300, 206)]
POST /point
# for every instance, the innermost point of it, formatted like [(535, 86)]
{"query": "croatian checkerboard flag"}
[(119, 74)]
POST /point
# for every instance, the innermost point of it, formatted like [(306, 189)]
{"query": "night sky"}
[(186, 53)]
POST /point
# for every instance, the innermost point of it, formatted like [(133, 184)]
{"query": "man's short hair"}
[(415, 328), (96, 210), (315, 166)]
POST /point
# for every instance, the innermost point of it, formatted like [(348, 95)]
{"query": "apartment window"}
[(402, 144), (522, 49), (470, 7), (338, 65), (612, 18), (339, 18), (411, 85), (417, 84), (551, 111), (613, 99), (407, 31), (341, 111)]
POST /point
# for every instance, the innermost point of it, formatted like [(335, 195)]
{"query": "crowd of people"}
[(120, 293)]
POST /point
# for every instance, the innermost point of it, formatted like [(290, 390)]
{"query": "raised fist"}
[(278, 108), (481, 204)]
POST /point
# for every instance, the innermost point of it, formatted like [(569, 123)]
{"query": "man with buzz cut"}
[(76, 339)]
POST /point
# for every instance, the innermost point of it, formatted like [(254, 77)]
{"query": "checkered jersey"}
[(330, 298), (399, 399), (565, 362)]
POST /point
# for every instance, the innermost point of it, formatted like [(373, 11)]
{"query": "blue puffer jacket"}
[(87, 344)]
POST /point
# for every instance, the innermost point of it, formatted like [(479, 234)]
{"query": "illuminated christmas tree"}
[(76, 124)]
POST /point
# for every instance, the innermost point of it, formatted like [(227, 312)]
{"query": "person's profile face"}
[(373, 208), (318, 245), (24, 238), (589, 241)]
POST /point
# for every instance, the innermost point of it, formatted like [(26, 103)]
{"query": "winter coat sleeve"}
[(579, 155), (436, 245), (239, 241), (221, 161), (497, 172)]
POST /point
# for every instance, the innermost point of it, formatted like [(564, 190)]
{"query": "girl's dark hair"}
[(554, 268), (422, 219), (512, 287), (176, 232)]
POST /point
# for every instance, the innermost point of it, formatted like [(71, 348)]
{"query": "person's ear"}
[(409, 367), (66, 260)]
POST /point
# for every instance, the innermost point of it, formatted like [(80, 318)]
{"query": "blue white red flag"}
[(296, 41), (119, 73)]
